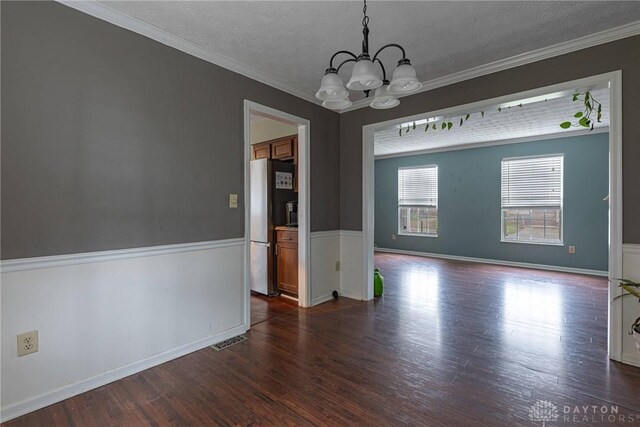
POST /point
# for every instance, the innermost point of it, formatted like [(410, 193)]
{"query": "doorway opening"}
[(276, 165), (609, 82)]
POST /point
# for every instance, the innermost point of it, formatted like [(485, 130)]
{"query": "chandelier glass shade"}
[(365, 77), (337, 104), (383, 99), (331, 88), (404, 80)]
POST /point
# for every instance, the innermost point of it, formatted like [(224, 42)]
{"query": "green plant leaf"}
[(587, 95), (414, 125), (584, 122), (499, 109), (426, 128), (434, 126), (575, 97), (565, 125), (444, 125), (520, 105), (467, 117), (599, 112), (482, 112), (631, 290), (578, 114), (400, 132), (461, 121), (449, 126)]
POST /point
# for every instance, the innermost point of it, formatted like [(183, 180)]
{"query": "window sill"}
[(417, 235), (522, 242)]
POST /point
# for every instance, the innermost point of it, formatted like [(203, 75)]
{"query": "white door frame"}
[(614, 80), (304, 139)]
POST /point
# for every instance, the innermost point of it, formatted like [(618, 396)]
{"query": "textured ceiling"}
[(530, 120), (292, 41)]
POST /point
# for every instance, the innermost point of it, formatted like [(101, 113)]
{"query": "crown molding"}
[(105, 13), (602, 37)]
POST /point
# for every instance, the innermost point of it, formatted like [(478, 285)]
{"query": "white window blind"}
[(532, 182), (418, 186)]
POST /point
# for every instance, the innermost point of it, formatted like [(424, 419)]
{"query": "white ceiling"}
[(291, 41), (511, 124)]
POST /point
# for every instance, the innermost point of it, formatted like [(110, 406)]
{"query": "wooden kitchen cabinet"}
[(282, 149), (261, 151), (287, 260)]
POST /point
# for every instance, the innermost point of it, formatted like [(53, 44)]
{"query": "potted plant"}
[(633, 289)]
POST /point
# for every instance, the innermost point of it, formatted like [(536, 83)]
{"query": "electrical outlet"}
[(27, 343), (572, 249), (393, 237), (337, 265)]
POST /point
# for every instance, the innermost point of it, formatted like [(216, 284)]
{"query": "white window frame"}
[(502, 209), (432, 235)]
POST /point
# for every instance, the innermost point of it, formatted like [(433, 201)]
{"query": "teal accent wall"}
[(469, 203)]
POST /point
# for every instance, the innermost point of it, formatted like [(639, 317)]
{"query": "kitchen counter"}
[(285, 228)]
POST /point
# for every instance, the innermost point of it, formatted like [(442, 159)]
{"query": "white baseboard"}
[(321, 299), (351, 296), (631, 359), (62, 393), (497, 262)]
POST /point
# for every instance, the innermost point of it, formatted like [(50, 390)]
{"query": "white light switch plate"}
[(233, 200)]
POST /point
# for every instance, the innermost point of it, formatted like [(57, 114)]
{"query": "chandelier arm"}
[(384, 73), (344, 62), (338, 53), (390, 45)]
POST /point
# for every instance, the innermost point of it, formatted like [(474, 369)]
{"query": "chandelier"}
[(364, 77)]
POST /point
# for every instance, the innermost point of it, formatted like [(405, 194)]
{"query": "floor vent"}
[(228, 343)]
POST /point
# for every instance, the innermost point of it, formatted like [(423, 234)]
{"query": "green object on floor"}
[(378, 283)]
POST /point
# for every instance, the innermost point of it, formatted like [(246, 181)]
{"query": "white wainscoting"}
[(105, 315), (352, 277), (630, 307), (325, 252)]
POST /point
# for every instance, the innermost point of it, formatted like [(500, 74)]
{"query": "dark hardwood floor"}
[(450, 343), (264, 308)]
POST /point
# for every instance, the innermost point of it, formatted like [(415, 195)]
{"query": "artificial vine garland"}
[(584, 119)]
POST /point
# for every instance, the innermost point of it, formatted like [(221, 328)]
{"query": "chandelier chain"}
[(365, 20)]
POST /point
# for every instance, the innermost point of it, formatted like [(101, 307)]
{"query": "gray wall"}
[(469, 203), (623, 54), (111, 140)]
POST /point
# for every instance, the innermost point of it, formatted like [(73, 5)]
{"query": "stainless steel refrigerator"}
[(267, 208)]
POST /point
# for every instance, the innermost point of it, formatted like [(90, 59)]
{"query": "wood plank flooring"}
[(450, 343), (264, 308)]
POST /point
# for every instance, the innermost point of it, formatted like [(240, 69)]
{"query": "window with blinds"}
[(531, 193), (418, 201)]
